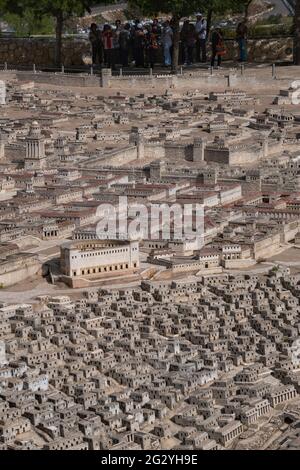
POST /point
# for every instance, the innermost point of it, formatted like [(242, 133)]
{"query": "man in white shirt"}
[(201, 33)]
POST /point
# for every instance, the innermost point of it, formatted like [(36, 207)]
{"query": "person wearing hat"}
[(201, 35)]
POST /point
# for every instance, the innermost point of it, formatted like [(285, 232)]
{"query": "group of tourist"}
[(138, 43)]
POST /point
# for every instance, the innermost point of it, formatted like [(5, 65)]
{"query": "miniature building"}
[(35, 158), (2, 93), (198, 150), (137, 138), (96, 257), (222, 152)]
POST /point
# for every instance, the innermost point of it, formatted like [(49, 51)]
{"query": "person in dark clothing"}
[(183, 39), (217, 46), (97, 45), (241, 36), (139, 46), (152, 44), (189, 41), (124, 44), (116, 34), (157, 26)]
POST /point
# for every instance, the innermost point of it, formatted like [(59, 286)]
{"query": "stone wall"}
[(238, 263), (76, 51), (155, 151), (120, 157), (14, 271), (267, 247), (41, 51), (264, 50)]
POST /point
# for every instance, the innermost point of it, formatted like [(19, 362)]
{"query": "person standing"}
[(97, 45), (156, 25), (167, 42), (201, 34), (108, 44), (152, 39), (241, 36), (183, 39), (116, 34), (217, 46), (124, 45), (139, 46), (188, 38)]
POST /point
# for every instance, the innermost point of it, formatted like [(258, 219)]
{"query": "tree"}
[(179, 9), (28, 24), (221, 7), (60, 10)]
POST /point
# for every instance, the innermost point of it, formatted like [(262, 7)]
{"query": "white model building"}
[(91, 258)]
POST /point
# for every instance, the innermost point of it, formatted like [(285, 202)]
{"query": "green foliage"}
[(262, 32), (273, 26), (270, 31), (179, 8), (182, 8), (41, 8), (28, 24), (60, 10), (275, 269), (272, 19), (56, 8), (221, 7)]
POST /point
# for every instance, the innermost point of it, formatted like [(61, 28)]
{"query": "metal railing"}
[(85, 69), (132, 72)]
